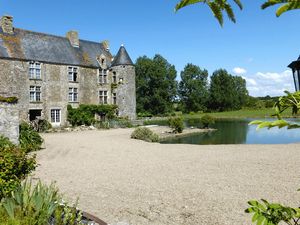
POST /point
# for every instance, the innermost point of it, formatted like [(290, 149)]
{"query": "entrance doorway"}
[(34, 113)]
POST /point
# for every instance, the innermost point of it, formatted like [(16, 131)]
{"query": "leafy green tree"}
[(193, 88), (156, 85), (219, 6), (241, 91), (227, 92)]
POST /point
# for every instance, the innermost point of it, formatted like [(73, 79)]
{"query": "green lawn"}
[(244, 113)]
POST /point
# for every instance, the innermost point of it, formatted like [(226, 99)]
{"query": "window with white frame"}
[(114, 98), (73, 94), (102, 76), (55, 115), (34, 70), (35, 93), (103, 97), (72, 73)]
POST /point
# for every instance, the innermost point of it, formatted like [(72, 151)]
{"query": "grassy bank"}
[(239, 114), (244, 113)]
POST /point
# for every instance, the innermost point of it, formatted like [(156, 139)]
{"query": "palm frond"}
[(271, 3), (229, 12), (216, 10), (238, 2), (184, 3)]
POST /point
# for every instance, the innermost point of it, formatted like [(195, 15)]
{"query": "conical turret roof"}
[(122, 58), (295, 64)]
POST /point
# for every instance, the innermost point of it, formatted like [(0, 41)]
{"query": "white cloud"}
[(239, 71), (270, 83)]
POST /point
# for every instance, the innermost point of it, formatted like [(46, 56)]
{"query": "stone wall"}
[(55, 85), (126, 94), (9, 121)]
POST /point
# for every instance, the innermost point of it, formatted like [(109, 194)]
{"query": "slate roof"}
[(34, 46), (122, 58)]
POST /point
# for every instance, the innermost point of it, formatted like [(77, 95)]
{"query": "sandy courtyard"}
[(119, 179)]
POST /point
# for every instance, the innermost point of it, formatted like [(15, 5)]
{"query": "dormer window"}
[(102, 60), (72, 74), (35, 70)]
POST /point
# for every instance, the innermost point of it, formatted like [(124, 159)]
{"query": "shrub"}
[(37, 205), (43, 125), (176, 123), (144, 133), (144, 114), (15, 165), (5, 143), (207, 120), (30, 140), (85, 114), (121, 123)]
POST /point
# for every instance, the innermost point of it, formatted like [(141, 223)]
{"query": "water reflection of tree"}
[(228, 132)]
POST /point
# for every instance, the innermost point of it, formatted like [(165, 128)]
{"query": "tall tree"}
[(155, 85), (219, 6), (241, 91), (193, 88), (226, 91)]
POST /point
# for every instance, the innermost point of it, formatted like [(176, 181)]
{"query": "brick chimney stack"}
[(7, 24), (73, 38)]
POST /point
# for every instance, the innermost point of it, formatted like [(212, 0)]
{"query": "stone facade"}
[(9, 121), (47, 73), (126, 91)]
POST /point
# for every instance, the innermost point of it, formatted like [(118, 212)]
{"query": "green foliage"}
[(144, 133), (144, 114), (9, 99), (227, 92), (290, 101), (85, 114), (15, 165), (176, 123), (272, 213), (216, 6), (156, 85), (120, 123), (219, 6), (207, 120), (30, 139), (160, 122), (5, 143), (37, 205), (287, 5), (193, 88)]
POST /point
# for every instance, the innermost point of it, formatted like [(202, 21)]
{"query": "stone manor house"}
[(47, 73)]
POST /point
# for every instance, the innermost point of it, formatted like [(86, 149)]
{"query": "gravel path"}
[(120, 179)]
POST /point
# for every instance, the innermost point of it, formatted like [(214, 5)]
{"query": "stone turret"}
[(124, 71)]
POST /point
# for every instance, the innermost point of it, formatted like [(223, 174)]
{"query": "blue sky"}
[(258, 47)]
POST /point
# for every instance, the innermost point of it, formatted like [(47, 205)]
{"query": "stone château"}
[(47, 73)]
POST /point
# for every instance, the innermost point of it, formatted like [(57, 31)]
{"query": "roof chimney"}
[(105, 44), (7, 24), (73, 38)]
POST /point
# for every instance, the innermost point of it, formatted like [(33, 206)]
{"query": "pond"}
[(237, 131)]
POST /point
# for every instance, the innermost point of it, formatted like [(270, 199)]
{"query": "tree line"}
[(159, 93)]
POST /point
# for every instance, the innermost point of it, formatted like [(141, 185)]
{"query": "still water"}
[(238, 132)]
